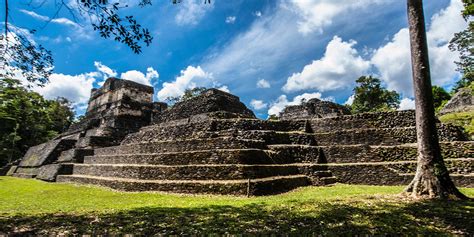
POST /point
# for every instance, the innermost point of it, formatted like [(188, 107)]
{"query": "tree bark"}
[(432, 178)]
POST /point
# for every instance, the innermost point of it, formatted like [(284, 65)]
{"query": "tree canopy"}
[(27, 119), (370, 96), (440, 96), (463, 42)]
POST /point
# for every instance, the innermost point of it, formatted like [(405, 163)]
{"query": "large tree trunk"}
[(432, 178)]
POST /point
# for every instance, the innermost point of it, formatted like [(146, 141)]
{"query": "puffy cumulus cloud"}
[(262, 83), (190, 78), (446, 23), (76, 88), (393, 62), (140, 77), (106, 71), (406, 104), (350, 100), (320, 13), (192, 11), (258, 104), (277, 106), (335, 70), (230, 19)]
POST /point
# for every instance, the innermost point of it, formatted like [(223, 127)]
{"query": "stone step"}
[(405, 152), (296, 153), (386, 173), (181, 145), (209, 128), (276, 137), (382, 136), (395, 119), (216, 156), (27, 171), (194, 172), (96, 142), (75, 155), (264, 186)]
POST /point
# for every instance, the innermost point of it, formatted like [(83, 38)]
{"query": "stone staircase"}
[(258, 157), (219, 156), (380, 148)]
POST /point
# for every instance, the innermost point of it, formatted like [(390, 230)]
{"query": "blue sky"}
[(271, 53)]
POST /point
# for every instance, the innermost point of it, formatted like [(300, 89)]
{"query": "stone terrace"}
[(214, 144)]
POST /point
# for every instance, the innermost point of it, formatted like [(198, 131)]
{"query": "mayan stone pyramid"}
[(213, 143)]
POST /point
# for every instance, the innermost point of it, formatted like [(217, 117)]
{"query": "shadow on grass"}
[(427, 218)]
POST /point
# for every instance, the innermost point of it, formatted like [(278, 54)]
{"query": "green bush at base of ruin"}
[(34, 207)]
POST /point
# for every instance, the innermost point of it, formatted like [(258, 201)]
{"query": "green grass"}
[(463, 119), (35, 207)]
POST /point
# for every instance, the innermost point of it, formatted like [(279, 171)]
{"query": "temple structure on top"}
[(212, 143)]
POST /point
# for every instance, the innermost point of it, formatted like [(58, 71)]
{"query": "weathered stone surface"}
[(116, 109), (50, 172), (213, 144), (75, 155), (239, 187), (45, 153), (314, 108), (12, 170), (393, 119), (209, 101), (463, 100)]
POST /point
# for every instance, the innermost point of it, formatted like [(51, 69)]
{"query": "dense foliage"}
[(370, 96), (463, 42), (440, 97), (27, 119)]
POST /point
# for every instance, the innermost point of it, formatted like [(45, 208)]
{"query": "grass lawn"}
[(35, 207)]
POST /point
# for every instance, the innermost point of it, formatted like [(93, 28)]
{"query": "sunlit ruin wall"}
[(213, 143)]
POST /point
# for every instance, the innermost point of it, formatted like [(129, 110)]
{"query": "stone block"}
[(50, 172)]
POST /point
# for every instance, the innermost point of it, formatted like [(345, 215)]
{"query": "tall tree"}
[(371, 96), (432, 178), (27, 119)]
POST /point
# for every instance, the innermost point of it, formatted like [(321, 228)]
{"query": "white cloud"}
[(140, 77), (190, 78), (337, 69), (258, 13), (61, 20), (192, 11), (224, 88), (76, 88), (406, 104), (393, 59), (320, 13), (64, 21), (258, 104), (262, 83), (106, 71), (34, 15), (230, 19), (350, 100), (277, 106)]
